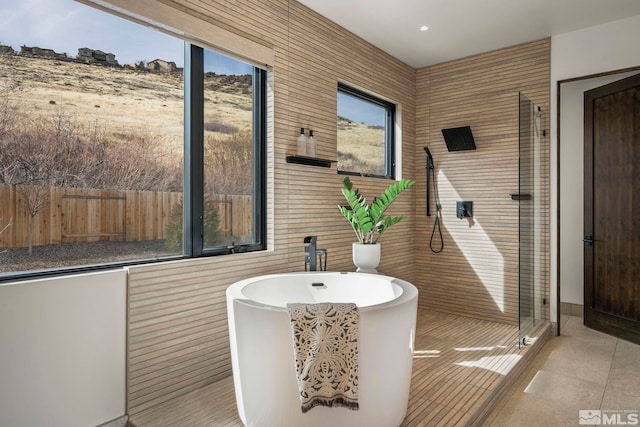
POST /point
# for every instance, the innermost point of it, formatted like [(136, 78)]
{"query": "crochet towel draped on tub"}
[(325, 345)]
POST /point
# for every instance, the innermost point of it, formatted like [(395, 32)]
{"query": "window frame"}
[(390, 132), (193, 242)]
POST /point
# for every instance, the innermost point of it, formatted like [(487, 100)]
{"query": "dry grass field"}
[(123, 101), (139, 113), (360, 147)]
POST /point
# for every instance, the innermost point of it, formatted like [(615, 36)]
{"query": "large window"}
[(366, 138), (117, 147)]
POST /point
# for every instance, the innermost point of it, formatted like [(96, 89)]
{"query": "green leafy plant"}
[(369, 221)]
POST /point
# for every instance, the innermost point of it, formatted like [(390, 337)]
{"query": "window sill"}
[(365, 175)]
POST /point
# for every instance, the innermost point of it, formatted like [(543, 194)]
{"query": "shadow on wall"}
[(469, 236), (462, 290), (472, 276)]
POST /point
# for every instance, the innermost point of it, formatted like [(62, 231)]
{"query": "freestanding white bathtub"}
[(264, 371)]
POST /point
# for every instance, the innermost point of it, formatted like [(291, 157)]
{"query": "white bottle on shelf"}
[(302, 143), (311, 145)]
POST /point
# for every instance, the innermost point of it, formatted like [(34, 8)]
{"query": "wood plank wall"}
[(477, 272), (177, 329)]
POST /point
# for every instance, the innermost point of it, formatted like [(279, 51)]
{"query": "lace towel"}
[(325, 345)]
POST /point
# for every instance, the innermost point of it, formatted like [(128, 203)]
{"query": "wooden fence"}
[(89, 215)]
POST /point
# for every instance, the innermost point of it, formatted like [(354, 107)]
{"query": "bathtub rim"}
[(409, 291)]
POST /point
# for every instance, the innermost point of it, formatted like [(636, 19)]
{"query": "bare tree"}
[(31, 168), (34, 199), (25, 161), (3, 229)]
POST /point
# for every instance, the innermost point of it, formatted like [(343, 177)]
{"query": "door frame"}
[(559, 84)]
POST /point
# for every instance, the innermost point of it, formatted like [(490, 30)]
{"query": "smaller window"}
[(366, 137)]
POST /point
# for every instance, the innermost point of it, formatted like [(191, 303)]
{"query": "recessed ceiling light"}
[(424, 28)]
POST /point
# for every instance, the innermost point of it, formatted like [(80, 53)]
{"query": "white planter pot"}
[(366, 257)]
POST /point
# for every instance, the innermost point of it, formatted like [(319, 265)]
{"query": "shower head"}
[(459, 139)]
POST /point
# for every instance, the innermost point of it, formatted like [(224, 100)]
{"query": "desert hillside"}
[(120, 98), (365, 147), (126, 103)]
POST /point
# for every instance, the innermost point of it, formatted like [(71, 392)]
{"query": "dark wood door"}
[(612, 208)]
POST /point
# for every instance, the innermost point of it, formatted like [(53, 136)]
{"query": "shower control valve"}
[(464, 209)]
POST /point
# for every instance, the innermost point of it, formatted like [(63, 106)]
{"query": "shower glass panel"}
[(531, 201)]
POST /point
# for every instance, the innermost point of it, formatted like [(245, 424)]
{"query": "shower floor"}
[(461, 369)]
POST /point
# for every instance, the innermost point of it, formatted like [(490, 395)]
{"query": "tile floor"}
[(580, 370)]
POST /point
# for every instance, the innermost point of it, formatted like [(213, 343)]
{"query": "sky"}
[(359, 111), (65, 26)]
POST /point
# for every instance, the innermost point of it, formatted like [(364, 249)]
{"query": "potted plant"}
[(369, 221)]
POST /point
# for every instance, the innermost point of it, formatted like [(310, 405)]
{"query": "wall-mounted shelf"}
[(310, 161), (521, 196)]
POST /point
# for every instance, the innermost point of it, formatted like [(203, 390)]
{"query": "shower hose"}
[(436, 224)]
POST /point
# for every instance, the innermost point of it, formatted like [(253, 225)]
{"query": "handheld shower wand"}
[(430, 168)]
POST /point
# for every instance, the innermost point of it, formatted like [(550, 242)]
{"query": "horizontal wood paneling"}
[(177, 334), (477, 273), (177, 330)]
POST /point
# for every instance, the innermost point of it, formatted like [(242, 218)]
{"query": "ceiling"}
[(459, 28)]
